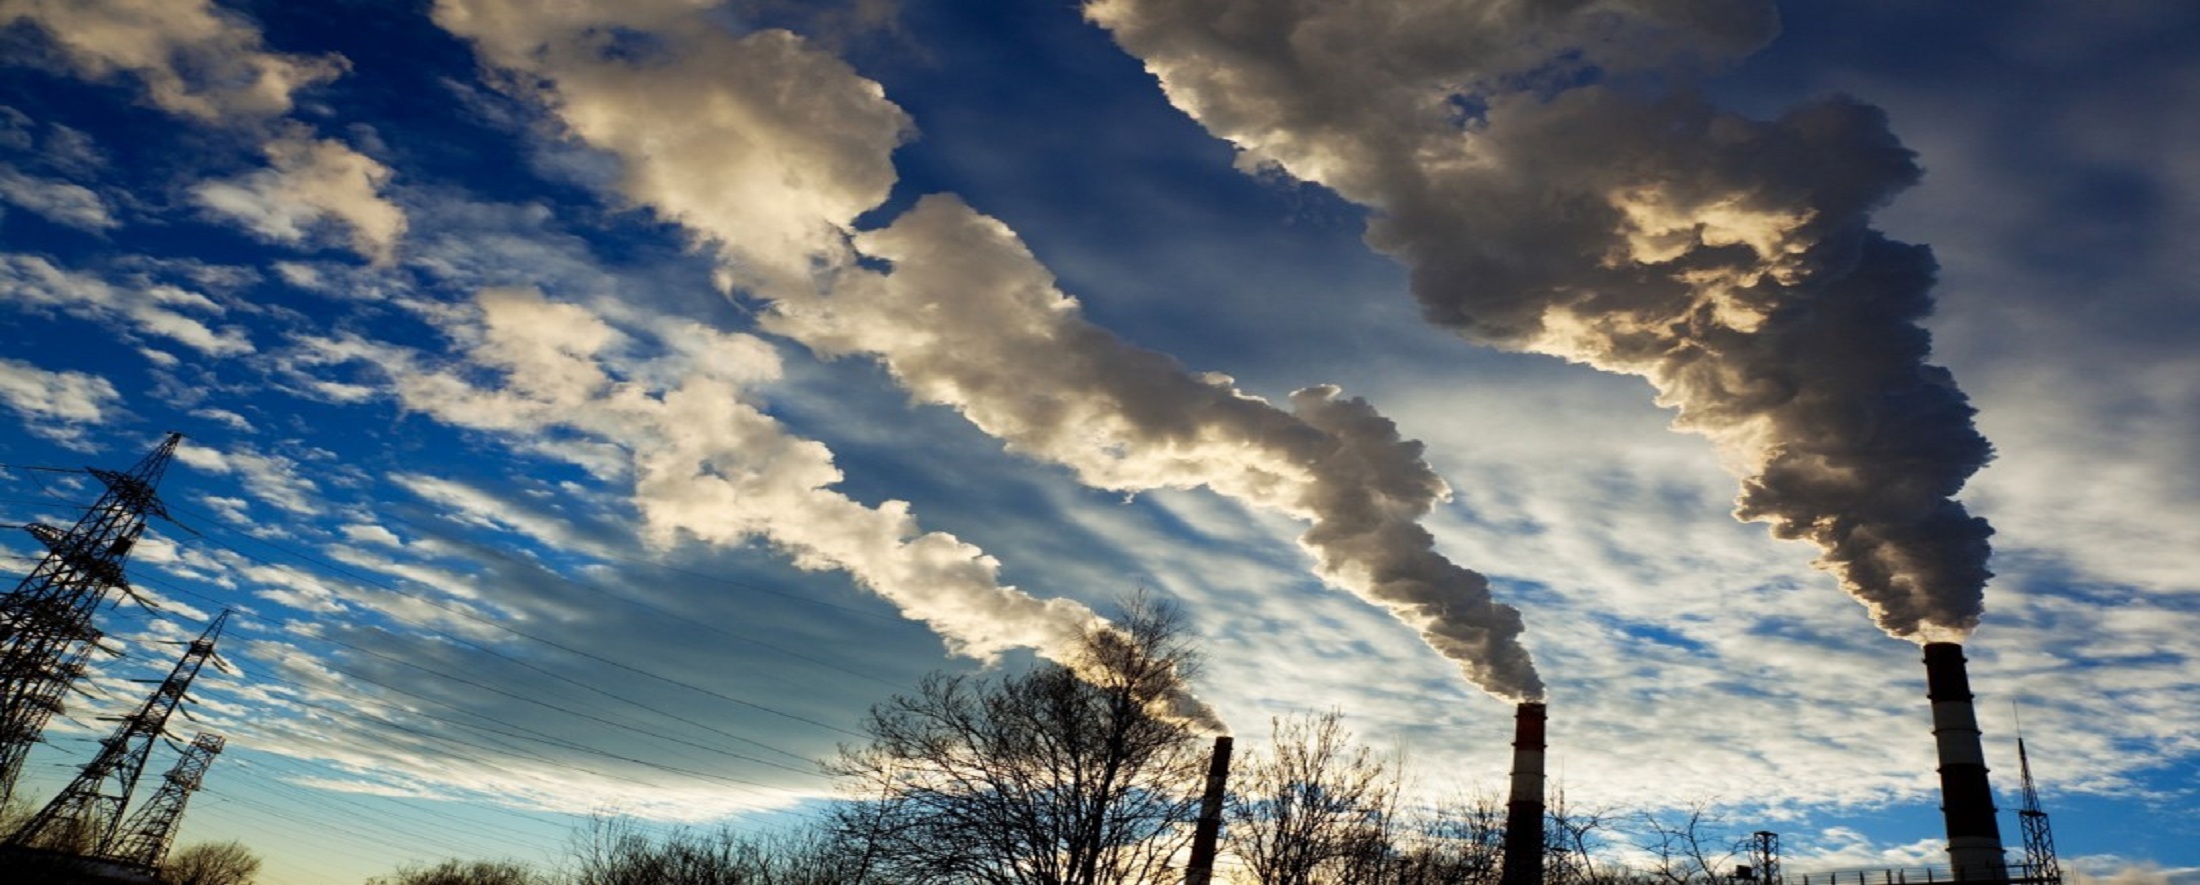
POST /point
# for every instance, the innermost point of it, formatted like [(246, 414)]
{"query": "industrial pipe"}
[(1208, 830), (1523, 863), (1966, 799)]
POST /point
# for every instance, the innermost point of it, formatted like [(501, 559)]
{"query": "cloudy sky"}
[(596, 410)]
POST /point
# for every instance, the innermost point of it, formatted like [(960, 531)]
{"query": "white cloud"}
[(274, 479), (311, 182), (57, 405), (225, 418), (192, 57), (361, 533), (235, 511), (2109, 869), (151, 308), (58, 201)]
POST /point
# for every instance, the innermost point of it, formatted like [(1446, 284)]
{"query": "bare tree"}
[(1051, 777), (1314, 807), (1459, 842), (211, 863), (1688, 845), (1576, 842), (462, 872), (613, 851)]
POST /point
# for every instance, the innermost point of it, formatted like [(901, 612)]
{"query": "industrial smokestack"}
[(1209, 829), (1524, 811), (1966, 800)]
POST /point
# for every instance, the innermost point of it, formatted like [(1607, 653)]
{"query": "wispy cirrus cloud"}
[(139, 306), (61, 202)]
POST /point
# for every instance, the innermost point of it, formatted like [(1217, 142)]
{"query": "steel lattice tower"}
[(46, 628), (1764, 855), (144, 839), (2039, 841), (85, 817)]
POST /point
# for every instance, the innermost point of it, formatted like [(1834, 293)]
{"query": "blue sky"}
[(578, 402)]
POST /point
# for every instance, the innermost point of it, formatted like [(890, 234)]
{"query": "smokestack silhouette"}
[(1208, 831), (1966, 800), (1524, 811)]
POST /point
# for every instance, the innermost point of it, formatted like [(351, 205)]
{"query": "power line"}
[(491, 623), (538, 702), (539, 737), (668, 613), (471, 615), (323, 797)]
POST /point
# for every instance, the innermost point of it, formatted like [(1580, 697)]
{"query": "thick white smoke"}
[(966, 317), (708, 463), (1556, 186), (771, 149)]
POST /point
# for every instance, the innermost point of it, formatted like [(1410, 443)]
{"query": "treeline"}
[(1079, 774), (63, 858)]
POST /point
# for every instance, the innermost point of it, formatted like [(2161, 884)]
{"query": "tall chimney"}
[(1966, 800), (1524, 811), (1209, 829)]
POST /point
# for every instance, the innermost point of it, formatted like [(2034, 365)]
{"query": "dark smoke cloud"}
[(1555, 186)]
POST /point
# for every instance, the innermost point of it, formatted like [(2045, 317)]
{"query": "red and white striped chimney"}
[(1966, 799), (1523, 863)]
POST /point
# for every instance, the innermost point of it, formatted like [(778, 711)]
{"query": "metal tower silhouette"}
[(85, 817), (144, 839), (2039, 841), (1764, 856), (46, 629)]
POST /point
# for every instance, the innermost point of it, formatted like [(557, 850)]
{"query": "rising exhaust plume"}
[(769, 149), (1556, 186), (709, 463)]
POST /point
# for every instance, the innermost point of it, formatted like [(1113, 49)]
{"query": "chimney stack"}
[(1208, 830), (1966, 800), (1524, 811)]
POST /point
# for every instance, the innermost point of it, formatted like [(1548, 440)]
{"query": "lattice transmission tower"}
[(145, 838), (1764, 856), (85, 817), (2039, 840), (46, 631)]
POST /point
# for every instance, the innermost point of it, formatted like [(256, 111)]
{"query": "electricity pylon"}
[(85, 817), (2039, 841), (46, 629), (144, 839)]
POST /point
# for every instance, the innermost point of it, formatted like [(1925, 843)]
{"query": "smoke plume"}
[(708, 463), (966, 317), (770, 149), (1556, 186)]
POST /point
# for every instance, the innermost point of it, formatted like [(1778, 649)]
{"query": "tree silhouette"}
[(1063, 775)]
